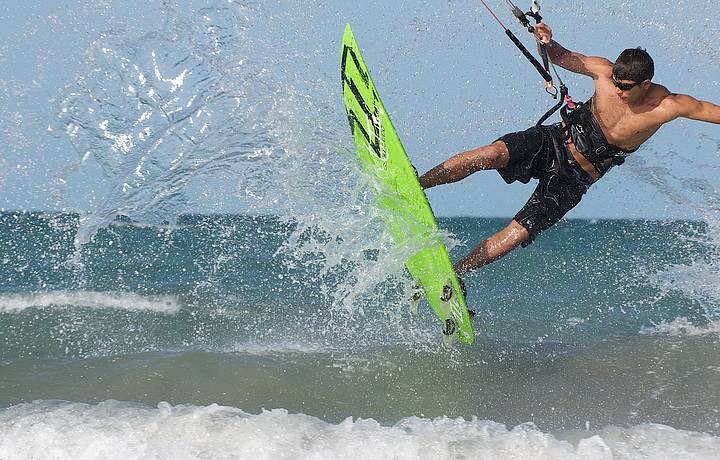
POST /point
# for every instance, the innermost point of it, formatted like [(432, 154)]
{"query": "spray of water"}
[(192, 114)]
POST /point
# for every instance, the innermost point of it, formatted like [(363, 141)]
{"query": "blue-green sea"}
[(602, 328)]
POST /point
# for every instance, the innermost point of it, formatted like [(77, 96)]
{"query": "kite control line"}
[(544, 68), (539, 67)]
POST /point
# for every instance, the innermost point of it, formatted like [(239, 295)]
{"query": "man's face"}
[(630, 90)]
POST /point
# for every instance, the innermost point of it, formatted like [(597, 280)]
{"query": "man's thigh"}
[(554, 196)]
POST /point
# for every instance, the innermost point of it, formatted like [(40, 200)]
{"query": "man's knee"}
[(493, 156), (529, 228), (498, 154), (519, 234), (507, 239)]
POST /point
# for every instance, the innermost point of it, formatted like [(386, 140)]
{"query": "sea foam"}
[(118, 430), (682, 327), (15, 303)]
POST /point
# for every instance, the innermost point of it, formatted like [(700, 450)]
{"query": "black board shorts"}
[(540, 153)]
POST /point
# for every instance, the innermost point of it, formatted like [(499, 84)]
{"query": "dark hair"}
[(634, 64)]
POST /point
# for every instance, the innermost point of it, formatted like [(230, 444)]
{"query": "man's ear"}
[(646, 84)]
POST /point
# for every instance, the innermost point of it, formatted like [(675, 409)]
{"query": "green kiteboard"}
[(408, 216)]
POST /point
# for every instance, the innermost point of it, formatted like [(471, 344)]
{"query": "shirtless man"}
[(568, 157)]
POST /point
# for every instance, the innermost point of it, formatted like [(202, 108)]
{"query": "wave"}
[(681, 327), (122, 430), (257, 348), (15, 303), (696, 280)]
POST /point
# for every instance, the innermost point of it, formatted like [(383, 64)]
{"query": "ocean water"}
[(192, 266), (211, 337)]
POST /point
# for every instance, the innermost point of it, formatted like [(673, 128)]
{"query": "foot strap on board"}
[(447, 293), (450, 327)]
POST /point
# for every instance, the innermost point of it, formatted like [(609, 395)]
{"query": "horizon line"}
[(229, 214)]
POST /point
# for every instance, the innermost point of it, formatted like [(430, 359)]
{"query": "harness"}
[(589, 139)]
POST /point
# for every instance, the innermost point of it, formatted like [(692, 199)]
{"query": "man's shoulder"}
[(675, 104), (660, 90), (660, 100)]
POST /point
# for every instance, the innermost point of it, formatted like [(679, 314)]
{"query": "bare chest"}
[(625, 126)]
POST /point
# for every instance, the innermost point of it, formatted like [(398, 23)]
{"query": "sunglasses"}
[(624, 86)]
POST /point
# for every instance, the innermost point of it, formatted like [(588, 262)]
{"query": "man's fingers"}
[(543, 37), (543, 33)]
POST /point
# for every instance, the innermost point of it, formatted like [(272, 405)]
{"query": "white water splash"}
[(116, 430), (16, 303), (682, 327), (165, 112)]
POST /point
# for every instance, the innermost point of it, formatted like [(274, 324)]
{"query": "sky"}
[(449, 77)]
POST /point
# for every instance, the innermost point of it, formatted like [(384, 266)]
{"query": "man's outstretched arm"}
[(592, 66), (686, 106)]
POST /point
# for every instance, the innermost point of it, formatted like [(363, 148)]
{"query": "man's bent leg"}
[(554, 196), (494, 247), (461, 165)]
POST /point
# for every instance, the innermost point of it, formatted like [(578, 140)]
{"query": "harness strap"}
[(589, 139)]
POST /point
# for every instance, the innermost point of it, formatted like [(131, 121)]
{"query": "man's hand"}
[(573, 61), (543, 32)]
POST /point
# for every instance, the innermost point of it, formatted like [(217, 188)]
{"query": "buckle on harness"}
[(570, 103)]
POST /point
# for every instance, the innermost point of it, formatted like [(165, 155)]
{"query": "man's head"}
[(634, 68)]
